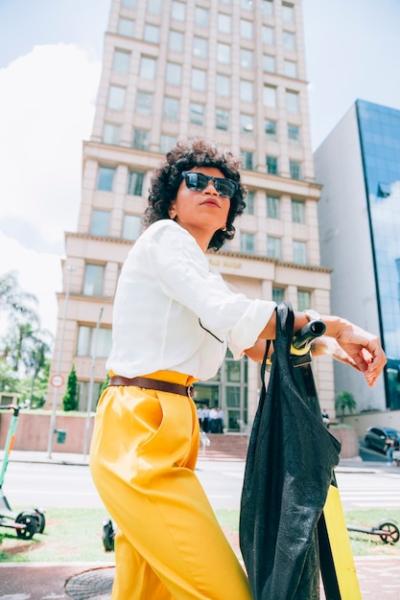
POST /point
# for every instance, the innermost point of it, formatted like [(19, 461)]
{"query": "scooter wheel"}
[(41, 519), (30, 521), (393, 533)]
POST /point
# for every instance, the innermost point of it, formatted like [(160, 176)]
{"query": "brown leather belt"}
[(153, 384)]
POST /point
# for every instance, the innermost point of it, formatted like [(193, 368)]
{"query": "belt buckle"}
[(189, 391)]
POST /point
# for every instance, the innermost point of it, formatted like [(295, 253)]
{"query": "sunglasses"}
[(199, 181)]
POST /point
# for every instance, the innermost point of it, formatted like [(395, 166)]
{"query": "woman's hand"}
[(355, 347)]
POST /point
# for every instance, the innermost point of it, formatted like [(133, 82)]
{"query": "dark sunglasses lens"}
[(225, 187), (196, 181)]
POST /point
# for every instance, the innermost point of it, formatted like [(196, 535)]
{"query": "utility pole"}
[(91, 384), (52, 426)]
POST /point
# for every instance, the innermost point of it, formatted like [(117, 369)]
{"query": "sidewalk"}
[(346, 465), (377, 575)]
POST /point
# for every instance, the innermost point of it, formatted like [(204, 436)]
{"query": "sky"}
[(50, 62)]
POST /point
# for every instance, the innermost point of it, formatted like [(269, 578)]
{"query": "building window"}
[(303, 299), (105, 177), (196, 113), (200, 47), (267, 8), (269, 96), (289, 41), (269, 63), (175, 41), (87, 340), (271, 163), (247, 160), (224, 53), (246, 123), (292, 101), (293, 132), (288, 13), (298, 211), (171, 109), (166, 143), (271, 129), (223, 85), (198, 80), (100, 222), (178, 10), (147, 67), (295, 169), (135, 183), (250, 202), (129, 3), (93, 280), (154, 7), (299, 252), (246, 29), (246, 58), (246, 90), (144, 102), (111, 133), (278, 294), (140, 139), (247, 242), (131, 227), (273, 206), (201, 16), (224, 23), (246, 4), (151, 33), (290, 68), (121, 60), (116, 97), (273, 247), (268, 35), (173, 73), (222, 119), (126, 27)]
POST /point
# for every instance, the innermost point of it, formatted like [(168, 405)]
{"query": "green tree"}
[(103, 386), (14, 301), (70, 400), (345, 401)]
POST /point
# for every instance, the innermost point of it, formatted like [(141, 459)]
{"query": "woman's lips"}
[(211, 203)]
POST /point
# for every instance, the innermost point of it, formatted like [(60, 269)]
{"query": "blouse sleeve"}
[(183, 272)]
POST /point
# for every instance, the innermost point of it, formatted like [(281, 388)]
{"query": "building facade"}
[(359, 167), (232, 72)]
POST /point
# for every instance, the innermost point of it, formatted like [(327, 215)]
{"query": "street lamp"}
[(52, 426), (91, 384)]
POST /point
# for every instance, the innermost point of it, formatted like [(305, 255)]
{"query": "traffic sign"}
[(57, 381)]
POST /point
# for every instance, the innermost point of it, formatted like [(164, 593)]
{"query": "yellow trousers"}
[(169, 545)]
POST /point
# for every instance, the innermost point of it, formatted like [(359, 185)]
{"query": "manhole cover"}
[(96, 583)]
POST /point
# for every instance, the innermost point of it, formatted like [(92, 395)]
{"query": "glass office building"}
[(358, 165), (379, 130)]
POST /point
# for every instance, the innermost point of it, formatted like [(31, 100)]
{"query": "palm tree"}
[(345, 400), (14, 301)]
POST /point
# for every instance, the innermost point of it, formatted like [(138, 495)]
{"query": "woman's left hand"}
[(358, 348)]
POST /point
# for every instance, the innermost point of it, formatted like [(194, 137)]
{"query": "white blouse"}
[(172, 313)]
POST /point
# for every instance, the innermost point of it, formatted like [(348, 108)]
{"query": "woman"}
[(172, 322)]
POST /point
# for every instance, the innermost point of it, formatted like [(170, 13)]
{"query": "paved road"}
[(71, 486)]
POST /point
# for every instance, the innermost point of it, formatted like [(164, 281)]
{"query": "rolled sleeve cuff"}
[(246, 331)]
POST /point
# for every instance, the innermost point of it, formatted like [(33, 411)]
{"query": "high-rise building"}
[(232, 72), (359, 166)]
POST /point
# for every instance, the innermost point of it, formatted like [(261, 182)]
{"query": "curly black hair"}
[(167, 179)]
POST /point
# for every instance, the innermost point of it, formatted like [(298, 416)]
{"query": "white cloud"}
[(47, 101)]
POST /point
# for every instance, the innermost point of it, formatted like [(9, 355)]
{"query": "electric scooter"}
[(27, 522)]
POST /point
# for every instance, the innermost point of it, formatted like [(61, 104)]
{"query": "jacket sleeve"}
[(183, 272)]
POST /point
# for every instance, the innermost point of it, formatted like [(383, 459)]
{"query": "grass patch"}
[(74, 534)]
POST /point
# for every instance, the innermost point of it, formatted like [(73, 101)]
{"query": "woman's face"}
[(205, 209)]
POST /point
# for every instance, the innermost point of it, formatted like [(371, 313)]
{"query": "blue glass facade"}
[(379, 129)]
